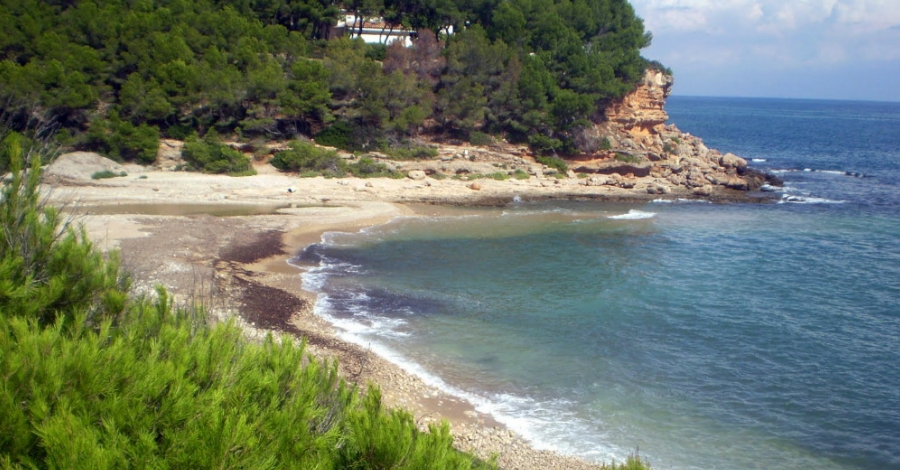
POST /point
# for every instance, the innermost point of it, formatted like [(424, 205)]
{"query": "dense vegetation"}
[(115, 75)]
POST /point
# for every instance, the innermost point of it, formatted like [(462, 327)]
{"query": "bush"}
[(480, 138), (48, 271), (520, 175), (544, 145), (625, 158), (122, 141), (304, 157), (351, 136), (107, 174), (210, 156), (368, 168), (413, 153), (553, 162)]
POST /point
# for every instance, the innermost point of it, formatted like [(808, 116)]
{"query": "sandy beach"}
[(237, 265)]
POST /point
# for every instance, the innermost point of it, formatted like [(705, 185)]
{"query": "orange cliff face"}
[(642, 112), (632, 138)]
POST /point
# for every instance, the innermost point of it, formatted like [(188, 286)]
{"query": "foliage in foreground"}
[(93, 378)]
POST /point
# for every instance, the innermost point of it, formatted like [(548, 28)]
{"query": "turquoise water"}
[(708, 336)]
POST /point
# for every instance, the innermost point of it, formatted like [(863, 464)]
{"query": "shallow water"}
[(708, 336)]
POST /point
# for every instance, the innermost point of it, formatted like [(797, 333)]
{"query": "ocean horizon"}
[(727, 336)]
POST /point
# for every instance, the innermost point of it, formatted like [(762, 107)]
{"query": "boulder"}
[(82, 165), (417, 175), (730, 160), (596, 181), (474, 186), (657, 188), (677, 180), (703, 191)]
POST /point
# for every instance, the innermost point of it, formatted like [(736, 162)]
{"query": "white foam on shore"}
[(633, 214), (790, 199), (545, 425), (680, 200)]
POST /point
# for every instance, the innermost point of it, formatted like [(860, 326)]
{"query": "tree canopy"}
[(114, 73)]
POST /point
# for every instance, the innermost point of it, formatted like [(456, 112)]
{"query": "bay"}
[(725, 336)]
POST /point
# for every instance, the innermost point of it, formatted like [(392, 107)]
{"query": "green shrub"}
[(304, 157), (122, 141), (605, 144), (339, 135), (520, 175), (107, 174), (211, 156), (553, 162), (413, 153), (368, 168), (480, 138), (49, 272), (499, 176), (625, 158), (351, 136), (543, 145)]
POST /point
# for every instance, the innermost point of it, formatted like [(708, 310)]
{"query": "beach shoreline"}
[(238, 266)]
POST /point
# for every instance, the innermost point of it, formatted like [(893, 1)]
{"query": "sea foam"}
[(633, 214)]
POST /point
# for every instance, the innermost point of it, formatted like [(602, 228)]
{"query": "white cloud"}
[(798, 26), (772, 36)]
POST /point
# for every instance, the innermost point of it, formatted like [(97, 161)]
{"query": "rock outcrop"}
[(82, 166), (642, 112), (633, 138)]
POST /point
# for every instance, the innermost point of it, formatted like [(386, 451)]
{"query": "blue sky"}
[(831, 49)]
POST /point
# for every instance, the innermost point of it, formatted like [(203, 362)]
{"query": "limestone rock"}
[(730, 160), (81, 165), (474, 186), (657, 188), (417, 175), (703, 191), (642, 110)]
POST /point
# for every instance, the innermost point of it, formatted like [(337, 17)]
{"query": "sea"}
[(700, 335)]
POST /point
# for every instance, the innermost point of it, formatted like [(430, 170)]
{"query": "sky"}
[(821, 49)]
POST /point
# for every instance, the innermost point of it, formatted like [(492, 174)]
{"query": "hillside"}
[(116, 75)]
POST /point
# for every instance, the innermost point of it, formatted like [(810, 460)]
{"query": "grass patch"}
[(625, 158), (520, 175), (106, 174), (553, 162)]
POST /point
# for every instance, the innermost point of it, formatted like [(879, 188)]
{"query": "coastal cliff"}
[(634, 139)]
